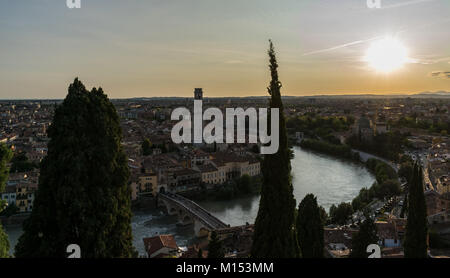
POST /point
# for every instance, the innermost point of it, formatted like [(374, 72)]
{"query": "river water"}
[(331, 180)]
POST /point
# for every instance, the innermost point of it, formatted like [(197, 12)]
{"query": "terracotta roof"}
[(153, 244)]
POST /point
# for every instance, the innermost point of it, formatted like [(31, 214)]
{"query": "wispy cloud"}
[(429, 61), (403, 4), (441, 74), (233, 62)]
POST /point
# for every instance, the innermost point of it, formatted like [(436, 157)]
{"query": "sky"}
[(162, 48)]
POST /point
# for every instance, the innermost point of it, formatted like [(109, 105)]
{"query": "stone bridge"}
[(190, 212)]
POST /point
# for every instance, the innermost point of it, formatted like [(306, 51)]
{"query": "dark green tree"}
[(415, 243), (83, 197), (215, 250), (406, 171), (341, 214), (244, 184), (146, 147), (323, 215), (20, 163), (274, 235), (11, 209), (5, 157), (366, 235), (255, 149), (310, 228), (405, 204)]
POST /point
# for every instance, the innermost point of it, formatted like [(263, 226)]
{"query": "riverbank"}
[(337, 150), (242, 187), (342, 151)]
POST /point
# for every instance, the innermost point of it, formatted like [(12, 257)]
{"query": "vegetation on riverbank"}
[(386, 185), (338, 150), (387, 145), (340, 214), (313, 126)]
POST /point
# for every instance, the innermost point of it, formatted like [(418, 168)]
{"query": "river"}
[(330, 179)]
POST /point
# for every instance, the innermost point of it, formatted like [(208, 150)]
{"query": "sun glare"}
[(386, 55)]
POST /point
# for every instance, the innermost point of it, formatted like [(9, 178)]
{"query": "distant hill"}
[(438, 94)]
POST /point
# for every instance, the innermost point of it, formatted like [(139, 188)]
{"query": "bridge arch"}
[(172, 211), (162, 189), (186, 219)]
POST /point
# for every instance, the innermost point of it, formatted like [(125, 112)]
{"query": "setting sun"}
[(386, 55)]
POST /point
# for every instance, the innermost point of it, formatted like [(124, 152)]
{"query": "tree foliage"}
[(83, 197), (309, 228), (321, 126), (338, 150), (146, 147), (366, 235), (387, 145), (20, 163), (415, 243), (341, 214), (274, 227), (406, 171), (215, 250), (5, 157)]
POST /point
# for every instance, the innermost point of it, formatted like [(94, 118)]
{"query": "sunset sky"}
[(152, 48)]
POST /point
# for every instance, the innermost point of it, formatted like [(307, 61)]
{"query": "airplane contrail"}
[(404, 29), (341, 46)]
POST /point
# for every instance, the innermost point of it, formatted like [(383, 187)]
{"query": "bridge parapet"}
[(203, 219)]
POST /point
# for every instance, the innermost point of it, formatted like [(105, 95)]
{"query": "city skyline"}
[(160, 49)]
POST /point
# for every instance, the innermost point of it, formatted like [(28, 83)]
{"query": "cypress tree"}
[(215, 250), (405, 204), (5, 157), (310, 228), (415, 243), (146, 147), (366, 235), (83, 197), (274, 235)]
